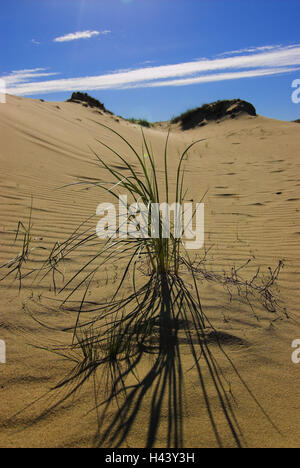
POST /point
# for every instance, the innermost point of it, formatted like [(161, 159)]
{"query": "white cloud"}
[(273, 60), (222, 77), (18, 77), (80, 35), (147, 62), (250, 50), (34, 41)]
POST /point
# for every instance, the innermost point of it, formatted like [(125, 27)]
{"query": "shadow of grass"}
[(164, 307)]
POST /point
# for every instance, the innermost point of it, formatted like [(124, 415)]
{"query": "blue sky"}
[(154, 58)]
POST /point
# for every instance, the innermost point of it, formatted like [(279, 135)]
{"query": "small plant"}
[(142, 122), (17, 265)]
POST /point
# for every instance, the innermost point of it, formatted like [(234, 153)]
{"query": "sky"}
[(154, 59)]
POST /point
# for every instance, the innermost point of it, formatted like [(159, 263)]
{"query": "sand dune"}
[(250, 167)]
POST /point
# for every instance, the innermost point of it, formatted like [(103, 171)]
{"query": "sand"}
[(250, 167)]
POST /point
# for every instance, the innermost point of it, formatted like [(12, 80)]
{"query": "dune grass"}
[(163, 309)]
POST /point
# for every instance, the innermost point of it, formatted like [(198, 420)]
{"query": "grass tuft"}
[(163, 307)]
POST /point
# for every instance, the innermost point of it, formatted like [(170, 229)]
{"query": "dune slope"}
[(249, 167)]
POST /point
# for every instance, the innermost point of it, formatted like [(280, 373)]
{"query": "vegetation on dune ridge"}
[(142, 122), (198, 116), (214, 111), (89, 101), (84, 98)]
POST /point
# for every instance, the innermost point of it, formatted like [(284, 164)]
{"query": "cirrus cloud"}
[(80, 35), (19, 77), (262, 61)]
